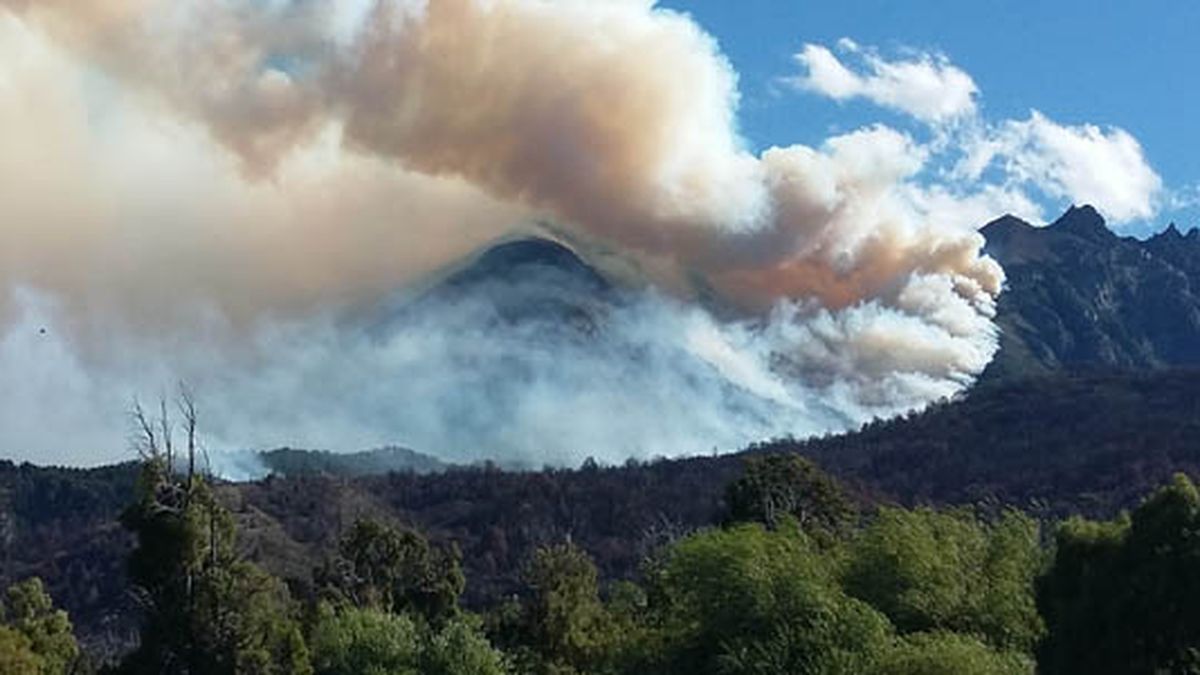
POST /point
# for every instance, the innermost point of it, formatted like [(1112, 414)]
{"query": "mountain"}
[(514, 262), (1079, 297), (1091, 443), (514, 283)]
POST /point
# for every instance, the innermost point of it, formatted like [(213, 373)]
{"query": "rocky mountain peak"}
[(1080, 297), (1173, 236), (1083, 221)]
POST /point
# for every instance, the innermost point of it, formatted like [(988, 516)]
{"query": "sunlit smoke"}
[(212, 204)]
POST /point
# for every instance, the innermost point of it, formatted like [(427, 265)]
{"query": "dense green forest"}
[(796, 576)]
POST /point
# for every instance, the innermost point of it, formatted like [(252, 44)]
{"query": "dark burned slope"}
[(61, 524)]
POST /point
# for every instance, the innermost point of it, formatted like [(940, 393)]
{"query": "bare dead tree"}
[(187, 409), (144, 437), (153, 436), (660, 534), (164, 422)]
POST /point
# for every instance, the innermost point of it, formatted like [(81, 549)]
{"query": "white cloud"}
[(1035, 157), (926, 86), (1086, 164)]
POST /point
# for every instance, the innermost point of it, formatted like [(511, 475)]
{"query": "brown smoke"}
[(613, 116), (367, 150)]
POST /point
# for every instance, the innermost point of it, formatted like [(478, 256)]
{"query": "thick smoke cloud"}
[(207, 190)]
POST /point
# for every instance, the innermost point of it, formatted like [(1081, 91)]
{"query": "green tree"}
[(362, 641), (748, 600), (632, 639), (1123, 596), (16, 654), (460, 648), (788, 485), (358, 641), (943, 653), (564, 620), (395, 570), (946, 571), (29, 611)]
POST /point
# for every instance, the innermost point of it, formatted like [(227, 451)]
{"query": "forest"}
[(1092, 445), (796, 575)]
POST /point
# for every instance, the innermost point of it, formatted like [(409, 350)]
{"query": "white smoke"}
[(358, 148), (656, 377)]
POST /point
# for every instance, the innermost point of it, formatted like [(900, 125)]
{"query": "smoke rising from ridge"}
[(368, 144)]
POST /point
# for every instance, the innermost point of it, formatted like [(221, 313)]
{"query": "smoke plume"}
[(221, 191)]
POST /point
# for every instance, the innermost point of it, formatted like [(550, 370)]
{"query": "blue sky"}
[(1120, 64)]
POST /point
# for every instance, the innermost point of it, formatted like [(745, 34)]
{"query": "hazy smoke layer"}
[(375, 141)]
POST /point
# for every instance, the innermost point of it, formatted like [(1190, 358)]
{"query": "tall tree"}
[(350, 640), (931, 570), (564, 617), (206, 611), (361, 641), (1123, 596), (16, 654), (394, 570), (747, 600), (776, 486), (945, 653)]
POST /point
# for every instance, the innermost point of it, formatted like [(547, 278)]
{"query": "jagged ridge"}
[(1079, 297)]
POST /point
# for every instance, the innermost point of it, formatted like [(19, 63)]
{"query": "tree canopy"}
[(793, 580), (1123, 596)]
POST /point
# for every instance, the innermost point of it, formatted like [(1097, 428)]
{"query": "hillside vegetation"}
[(1054, 445), (795, 579)]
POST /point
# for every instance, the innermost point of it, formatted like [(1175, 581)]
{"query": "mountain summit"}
[(1079, 297), (1083, 221), (527, 282), (529, 258)]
